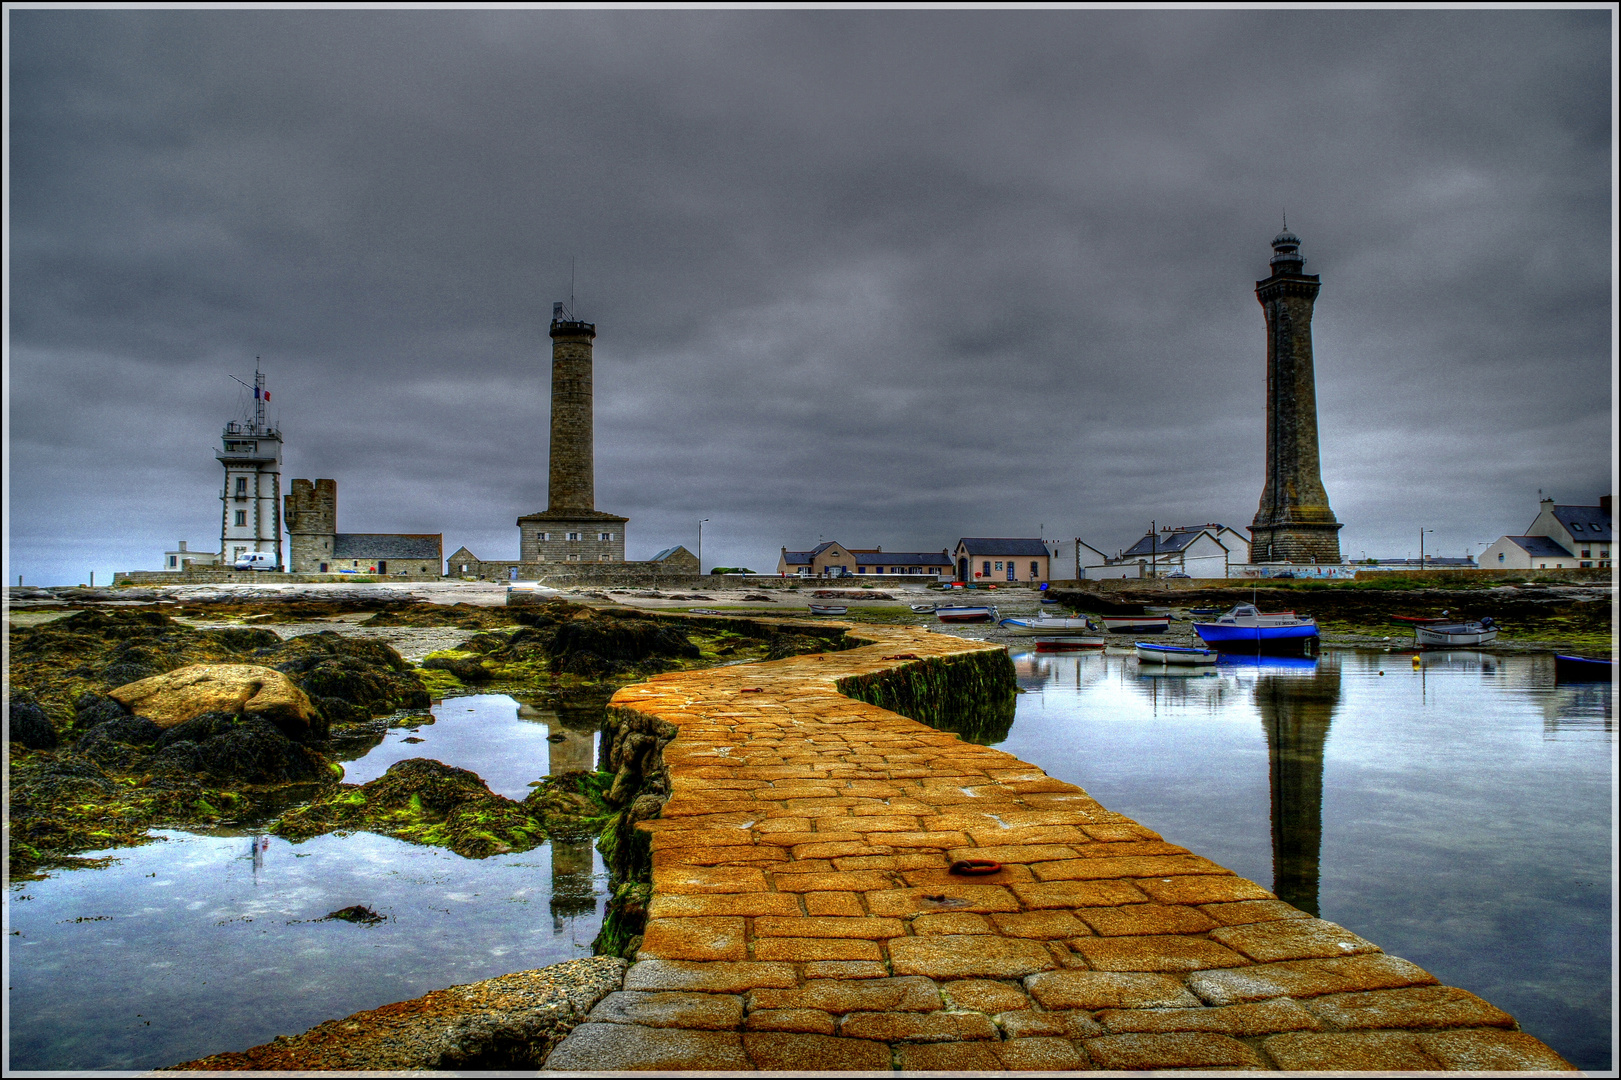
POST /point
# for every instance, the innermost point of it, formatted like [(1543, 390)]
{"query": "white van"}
[(255, 560)]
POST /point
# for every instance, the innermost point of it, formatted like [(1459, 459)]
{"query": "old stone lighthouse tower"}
[(1294, 523), (571, 529)]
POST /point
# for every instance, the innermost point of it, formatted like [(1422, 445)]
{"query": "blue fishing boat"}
[(1582, 668), (1247, 630)]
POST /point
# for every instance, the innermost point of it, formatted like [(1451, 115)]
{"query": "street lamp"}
[(701, 547), (1421, 533)]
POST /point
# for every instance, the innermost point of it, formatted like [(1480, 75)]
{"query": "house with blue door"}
[(999, 559)]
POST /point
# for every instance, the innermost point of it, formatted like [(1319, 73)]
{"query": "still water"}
[(1458, 813), (202, 943)]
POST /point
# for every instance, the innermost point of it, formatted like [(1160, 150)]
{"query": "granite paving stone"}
[(1292, 939), (804, 915)]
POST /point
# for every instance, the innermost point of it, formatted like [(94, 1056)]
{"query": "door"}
[(1012, 571), (962, 569)]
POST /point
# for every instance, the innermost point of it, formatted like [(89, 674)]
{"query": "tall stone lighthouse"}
[(571, 529), (1294, 523)]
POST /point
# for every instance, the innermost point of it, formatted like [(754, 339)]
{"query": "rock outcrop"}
[(175, 697)]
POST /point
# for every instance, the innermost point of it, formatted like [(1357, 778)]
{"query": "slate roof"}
[(1543, 546), (582, 516), (1002, 545), (1167, 543), (903, 558), (1585, 523), (667, 552), (388, 546)]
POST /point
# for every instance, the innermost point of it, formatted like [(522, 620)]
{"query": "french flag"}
[(261, 393)]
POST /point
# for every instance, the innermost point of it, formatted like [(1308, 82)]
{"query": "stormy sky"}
[(886, 277)]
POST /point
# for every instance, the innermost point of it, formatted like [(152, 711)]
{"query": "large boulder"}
[(246, 689)]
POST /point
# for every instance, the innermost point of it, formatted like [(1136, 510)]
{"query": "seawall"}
[(801, 913)]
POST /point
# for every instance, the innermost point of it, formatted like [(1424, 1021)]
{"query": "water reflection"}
[(1460, 815), (1296, 708)]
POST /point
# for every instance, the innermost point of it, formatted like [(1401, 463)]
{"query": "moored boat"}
[(1247, 629), (1136, 624), (1068, 644), (1149, 653), (1456, 634), (829, 609), (1043, 624), (923, 609), (965, 613), (1582, 668)]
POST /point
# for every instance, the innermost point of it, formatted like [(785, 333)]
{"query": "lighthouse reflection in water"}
[(1412, 802)]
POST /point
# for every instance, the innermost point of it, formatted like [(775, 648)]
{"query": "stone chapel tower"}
[(571, 529), (1294, 523)]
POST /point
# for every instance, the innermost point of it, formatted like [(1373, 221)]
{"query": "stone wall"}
[(251, 577)]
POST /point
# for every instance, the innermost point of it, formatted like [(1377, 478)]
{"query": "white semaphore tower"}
[(251, 453)]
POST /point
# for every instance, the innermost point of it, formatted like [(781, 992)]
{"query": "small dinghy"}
[(1068, 644), (966, 613), (1456, 634), (1136, 624), (829, 609), (1149, 653), (923, 609)]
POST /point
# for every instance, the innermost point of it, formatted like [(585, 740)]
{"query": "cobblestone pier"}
[(804, 915)]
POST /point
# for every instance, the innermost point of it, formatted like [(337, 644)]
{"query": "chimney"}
[(1603, 505), (182, 545)]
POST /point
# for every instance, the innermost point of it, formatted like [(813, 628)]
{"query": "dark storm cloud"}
[(894, 277)]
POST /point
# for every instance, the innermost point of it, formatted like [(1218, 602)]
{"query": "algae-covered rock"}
[(592, 645), (467, 669), (247, 748), (425, 802), (349, 680), (31, 727), (251, 690)]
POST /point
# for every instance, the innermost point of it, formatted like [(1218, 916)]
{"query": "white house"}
[(1561, 537), (1195, 551)]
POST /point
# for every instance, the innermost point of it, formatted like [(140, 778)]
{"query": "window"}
[(987, 565), (543, 536), (1587, 564), (999, 566), (573, 536), (573, 558), (464, 568), (174, 560), (605, 536), (1035, 570), (241, 517), (1586, 553), (607, 558), (1575, 526), (242, 485), (323, 568), (863, 570), (1502, 557)]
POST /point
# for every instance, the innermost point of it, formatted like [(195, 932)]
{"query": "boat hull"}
[(1136, 624), (1444, 637), (1174, 654), (1582, 669), (1225, 637), (828, 609), (1069, 644), (1044, 627), (965, 614)]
